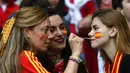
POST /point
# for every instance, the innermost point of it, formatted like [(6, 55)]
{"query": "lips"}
[(92, 40), (61, 40)]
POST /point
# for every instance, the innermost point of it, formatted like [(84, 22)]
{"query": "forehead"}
[(55, 20), (44, 23), (97, 22)]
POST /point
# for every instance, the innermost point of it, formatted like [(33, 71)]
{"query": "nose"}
[(59, 31), (50, 34), (90, 34)]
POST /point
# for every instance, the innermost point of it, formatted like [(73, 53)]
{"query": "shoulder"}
[(30, 63), (26, 57), (25, 54), (125, 64)]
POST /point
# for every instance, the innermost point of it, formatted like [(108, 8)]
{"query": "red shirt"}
[(59, 67), (30, 63)]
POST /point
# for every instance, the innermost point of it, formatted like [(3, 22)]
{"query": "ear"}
[(113, 31), (120, 10), (27, 32)]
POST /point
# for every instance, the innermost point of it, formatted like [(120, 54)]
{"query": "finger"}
[(71, 36)]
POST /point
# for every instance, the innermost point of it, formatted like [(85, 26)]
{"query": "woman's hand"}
[(75, 44)]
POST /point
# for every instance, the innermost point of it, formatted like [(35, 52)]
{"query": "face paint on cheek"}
[(98, 35), (42, 37), (65, 33)]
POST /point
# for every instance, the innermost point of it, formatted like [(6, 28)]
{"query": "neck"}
[(110, 50), (55, 56), (32, 50)]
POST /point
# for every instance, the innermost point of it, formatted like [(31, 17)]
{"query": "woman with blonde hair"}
[(22, 38), (113, 39)]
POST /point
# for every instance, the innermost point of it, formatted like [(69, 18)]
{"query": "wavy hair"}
[(26, 17)]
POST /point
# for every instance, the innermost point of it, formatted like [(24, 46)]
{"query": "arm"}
[(76, 48)]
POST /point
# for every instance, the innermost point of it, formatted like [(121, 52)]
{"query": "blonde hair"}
[(110, 18), (25, 17)]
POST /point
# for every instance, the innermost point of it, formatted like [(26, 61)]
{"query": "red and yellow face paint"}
[(98, 35), (65, 32), (42, 37)]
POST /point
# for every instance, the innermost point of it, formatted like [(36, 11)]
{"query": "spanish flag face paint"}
[(42, 37), (65, 33), (98, 35)]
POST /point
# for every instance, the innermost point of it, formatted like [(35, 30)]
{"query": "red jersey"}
[(30, 63)]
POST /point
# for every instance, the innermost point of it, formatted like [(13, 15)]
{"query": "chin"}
[(44, 49), (61, 46), (58, 45), (94, 46)]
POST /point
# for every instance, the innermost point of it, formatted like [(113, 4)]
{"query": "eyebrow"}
[(60, 24), (94, 26), (45, 27)]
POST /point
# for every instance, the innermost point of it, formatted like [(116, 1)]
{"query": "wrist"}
[(75, 59), (76, 54)]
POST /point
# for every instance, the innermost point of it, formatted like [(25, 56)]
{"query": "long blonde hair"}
[(110, 18), (25, 17)]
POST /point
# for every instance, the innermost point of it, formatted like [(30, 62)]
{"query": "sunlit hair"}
[(26, 17), (110, 18)]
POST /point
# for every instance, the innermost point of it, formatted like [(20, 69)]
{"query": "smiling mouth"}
[(59, 40)]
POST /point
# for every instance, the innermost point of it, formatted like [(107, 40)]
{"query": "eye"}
[(95, 28), (62, 27), (45, 29), (52, 29)]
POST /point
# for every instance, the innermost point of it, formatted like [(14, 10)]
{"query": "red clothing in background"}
[(4, 15)]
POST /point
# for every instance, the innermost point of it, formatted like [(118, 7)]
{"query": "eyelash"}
[(52, 29), (45, 29), (62, 27), (95, 28)]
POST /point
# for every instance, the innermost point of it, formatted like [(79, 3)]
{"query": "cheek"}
[(99, 42), (42, 37), (96, 43), (98, 35), (65, 33)]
